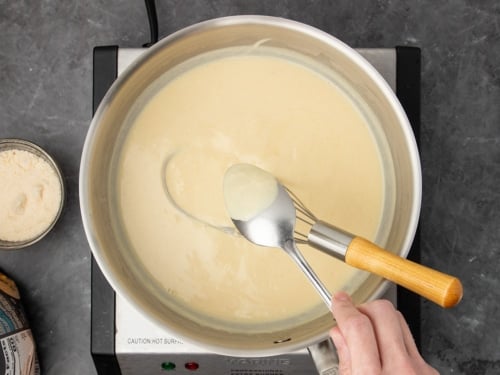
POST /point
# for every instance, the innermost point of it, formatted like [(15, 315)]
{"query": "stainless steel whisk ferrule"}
[(320, 235)]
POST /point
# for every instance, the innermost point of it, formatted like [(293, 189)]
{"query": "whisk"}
[(443, 289), (271, 220)]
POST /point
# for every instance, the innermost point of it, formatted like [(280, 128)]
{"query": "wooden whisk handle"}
[(443, 289)]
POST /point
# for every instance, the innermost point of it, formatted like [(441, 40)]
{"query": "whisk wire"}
[(304, 215)]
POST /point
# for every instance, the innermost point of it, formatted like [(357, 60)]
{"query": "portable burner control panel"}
[(144, 348), (125, 342)]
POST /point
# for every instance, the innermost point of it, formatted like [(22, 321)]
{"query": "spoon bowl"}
[(273, 226)]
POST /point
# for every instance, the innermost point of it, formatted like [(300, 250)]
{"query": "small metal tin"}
[(20, 144)]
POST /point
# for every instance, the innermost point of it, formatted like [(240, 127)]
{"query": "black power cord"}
[(153, 22)]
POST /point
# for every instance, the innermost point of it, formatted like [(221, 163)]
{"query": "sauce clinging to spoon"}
[(248, 190)]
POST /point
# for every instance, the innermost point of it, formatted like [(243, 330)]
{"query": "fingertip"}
[(341, 296)]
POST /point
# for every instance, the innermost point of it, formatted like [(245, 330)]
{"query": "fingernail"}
[(341, 296)]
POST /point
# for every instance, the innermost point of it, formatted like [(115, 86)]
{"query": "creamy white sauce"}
[(248, 190), (263, 109)]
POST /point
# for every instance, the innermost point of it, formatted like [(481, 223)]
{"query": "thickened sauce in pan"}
[(258, 108)]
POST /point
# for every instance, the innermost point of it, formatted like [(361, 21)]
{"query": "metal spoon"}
[(274, 227)]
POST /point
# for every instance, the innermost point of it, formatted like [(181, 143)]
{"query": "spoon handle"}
[(291, 248), (443, 289)]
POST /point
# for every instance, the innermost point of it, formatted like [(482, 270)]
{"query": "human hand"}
[(374, 338)]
